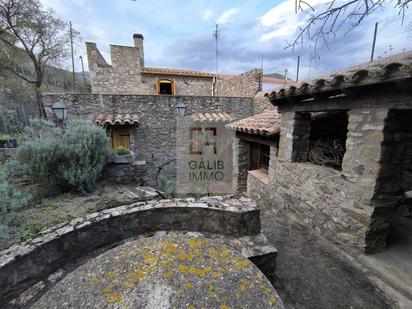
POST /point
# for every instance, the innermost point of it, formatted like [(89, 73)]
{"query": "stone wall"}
[(134, 172), (240, 165), (155, 138), (340, 204), (337, 203), (184, 85), (6, 154), (261, 103), (243, 85)]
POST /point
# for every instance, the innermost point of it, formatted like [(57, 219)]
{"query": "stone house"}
[(257, 141), (344, 162), (127, 74), (147, 125)]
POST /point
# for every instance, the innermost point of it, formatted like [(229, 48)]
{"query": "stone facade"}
[(243, 85), (127, 74), (155, 137)]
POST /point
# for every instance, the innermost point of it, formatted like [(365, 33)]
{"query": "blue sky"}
[(179, 33)]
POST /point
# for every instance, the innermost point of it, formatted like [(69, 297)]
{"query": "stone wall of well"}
[(24, 264), (243, 85), (155, 137)]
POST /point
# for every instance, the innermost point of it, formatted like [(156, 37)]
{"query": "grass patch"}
[(48, 207)]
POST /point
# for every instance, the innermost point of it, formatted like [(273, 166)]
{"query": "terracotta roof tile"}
[(116, 119), (395, 68), (266, 123), (211, 117)]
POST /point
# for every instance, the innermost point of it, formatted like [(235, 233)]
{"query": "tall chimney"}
[(138, 43)]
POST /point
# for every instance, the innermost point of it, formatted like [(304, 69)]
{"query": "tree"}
[(26, 26), (337, 14)]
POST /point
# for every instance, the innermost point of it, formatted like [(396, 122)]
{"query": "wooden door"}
[(121, 137)]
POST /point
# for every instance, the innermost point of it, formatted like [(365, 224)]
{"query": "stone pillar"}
[(362, 166), (294, 137), (364, 149), (240, 165)]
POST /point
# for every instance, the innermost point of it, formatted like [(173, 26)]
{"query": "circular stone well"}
[(174, 271)]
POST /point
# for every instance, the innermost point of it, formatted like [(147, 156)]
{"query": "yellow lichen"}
[(114, 298), (194, 243), (107, 289), (94, 281), (182, 268), (243, 285), (111, 275), (168, 274), (224, 253), (223, 306)]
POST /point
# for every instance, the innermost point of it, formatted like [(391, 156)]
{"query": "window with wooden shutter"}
[(165, 87), (120, 137), (259, 156)]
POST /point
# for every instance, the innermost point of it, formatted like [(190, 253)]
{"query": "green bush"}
[(70, 161), (11, 200), (121, 151)]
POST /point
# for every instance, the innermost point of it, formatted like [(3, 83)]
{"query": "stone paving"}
[(311, 273)]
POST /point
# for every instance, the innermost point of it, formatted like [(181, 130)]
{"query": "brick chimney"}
[(138, 43)]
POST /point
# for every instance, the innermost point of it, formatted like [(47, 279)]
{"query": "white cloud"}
[(207, 14), (227, 15), (282, 20)]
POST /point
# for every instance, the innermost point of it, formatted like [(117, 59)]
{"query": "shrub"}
[(121, 151), (11, 200), (70, 161)]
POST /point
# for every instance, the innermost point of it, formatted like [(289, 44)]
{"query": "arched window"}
[(166, 86)]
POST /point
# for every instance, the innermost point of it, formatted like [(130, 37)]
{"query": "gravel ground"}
[(311, 273)]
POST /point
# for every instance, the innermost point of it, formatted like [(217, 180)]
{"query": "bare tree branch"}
[(326, 22)]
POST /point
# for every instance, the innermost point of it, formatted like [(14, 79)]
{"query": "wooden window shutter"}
[(157, 86), (174, 86)]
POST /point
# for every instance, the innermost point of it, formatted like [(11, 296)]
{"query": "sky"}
[(180, 34)]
